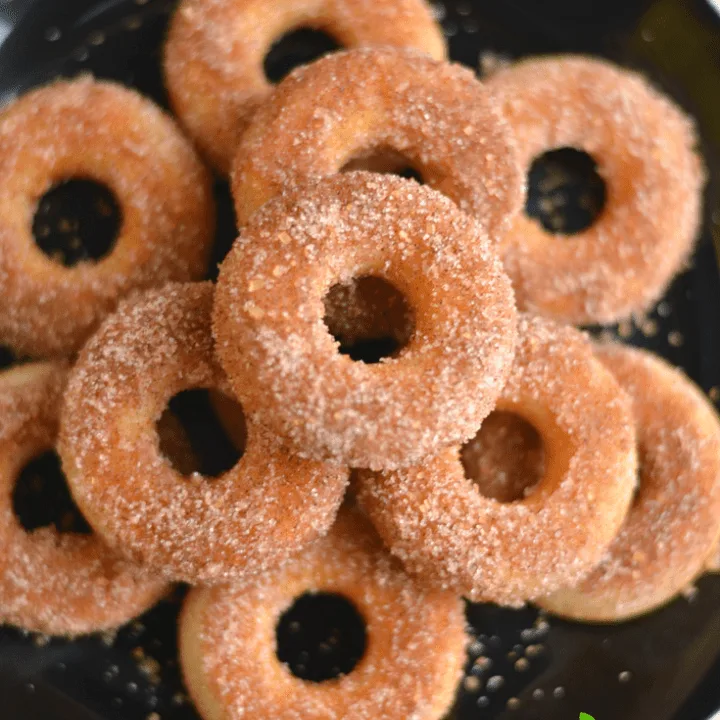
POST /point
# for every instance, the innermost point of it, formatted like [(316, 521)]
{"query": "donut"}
[(215, 49), (370, 101), (283, 363), (51, 582), (674, 521), (439, 524), (643, 146), (268, 506), (98, 131), (414, 651)]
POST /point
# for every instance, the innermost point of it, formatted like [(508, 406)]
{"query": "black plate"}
[(664, 666)]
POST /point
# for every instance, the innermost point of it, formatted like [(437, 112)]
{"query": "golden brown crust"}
[(285, 366), (674, 521), (107, 133), (644, 147), (268, 506), (61, 584), (437, 522), (215, 51), (414, 654), (436, 114)]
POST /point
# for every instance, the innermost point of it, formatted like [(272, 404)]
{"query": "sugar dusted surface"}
[(215, 51), (644, 147), (60, 584), (415, 639), (261, 511), (674, 521), (116, 137), (438, 523), (285, 366), (435, 114)]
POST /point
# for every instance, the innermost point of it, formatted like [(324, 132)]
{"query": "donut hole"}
[(506, 459), (565, 191), (369, 317), (77, 221), (386, 161), (202, 432), (7, 357), (41, 497), (322, 636), (645, 471), (297, 47)]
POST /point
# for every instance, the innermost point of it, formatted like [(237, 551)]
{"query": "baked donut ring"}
[(415, 639), (674, 522), (106, 133), (50, 582), (215, 51), (437, 522), (267, 507), (365, 101), (285, 366), (644, 147)]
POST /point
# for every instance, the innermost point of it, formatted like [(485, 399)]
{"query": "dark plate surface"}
[(661, 667)]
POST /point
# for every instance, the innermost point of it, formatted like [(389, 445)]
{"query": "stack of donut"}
[(499, 453)]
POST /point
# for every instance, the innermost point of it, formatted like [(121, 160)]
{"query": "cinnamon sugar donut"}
[(285, 366), (215, 51), (438, 523), (644, 147), (367, 101), (193, 528), (415, 639), (674, 521), (103, 132), (50, 582)]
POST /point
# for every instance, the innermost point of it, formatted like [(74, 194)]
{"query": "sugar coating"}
[(438, 523), (414, 654), (268, 506), (370, 100), (644, 147), (216, 48), (285, 366), (107, 133), (674, 521), (60, 584)]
